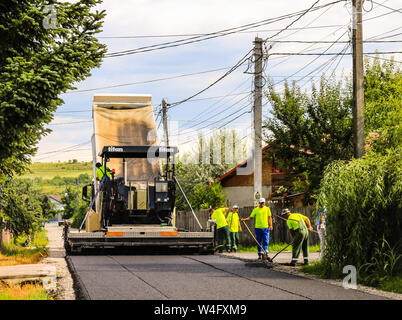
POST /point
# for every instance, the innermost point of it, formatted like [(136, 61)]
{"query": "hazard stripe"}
[(169, 233), (115, 234)]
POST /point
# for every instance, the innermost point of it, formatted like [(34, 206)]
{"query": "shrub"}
[(363, 201)]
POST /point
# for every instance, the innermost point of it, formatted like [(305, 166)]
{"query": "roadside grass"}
[(24, 292), (392, 284), (275, 247), (14, 253)]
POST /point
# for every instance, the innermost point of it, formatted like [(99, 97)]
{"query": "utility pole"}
[(358, 77), (258, 58), (165, 127)]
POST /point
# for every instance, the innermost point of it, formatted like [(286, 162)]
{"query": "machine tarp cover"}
[(126, 120)]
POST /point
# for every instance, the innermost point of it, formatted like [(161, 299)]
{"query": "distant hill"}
[(61, 169), (53, 178)]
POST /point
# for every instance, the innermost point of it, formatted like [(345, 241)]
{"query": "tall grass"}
[(15, 252), (25, 292), (363, 201)]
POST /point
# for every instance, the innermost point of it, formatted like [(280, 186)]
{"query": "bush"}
[(363, 201)]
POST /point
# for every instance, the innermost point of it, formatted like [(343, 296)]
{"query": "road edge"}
[(336, 282), (81, 291)]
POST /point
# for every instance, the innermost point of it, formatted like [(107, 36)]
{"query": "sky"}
[(226, 103)]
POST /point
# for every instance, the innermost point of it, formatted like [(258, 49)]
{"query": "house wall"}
[(243, 195), (248, 180)]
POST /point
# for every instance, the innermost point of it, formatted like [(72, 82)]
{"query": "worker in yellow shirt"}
[(263, 225), (299, 226), (222, 229), (102, 171), (234, 227)]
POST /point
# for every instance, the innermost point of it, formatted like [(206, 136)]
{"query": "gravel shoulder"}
[(57, 257)]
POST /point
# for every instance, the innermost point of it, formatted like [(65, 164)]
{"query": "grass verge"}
[(24, 292), (14, 253), (391, 284)]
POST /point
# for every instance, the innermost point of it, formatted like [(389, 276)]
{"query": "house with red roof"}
[(238, 183)]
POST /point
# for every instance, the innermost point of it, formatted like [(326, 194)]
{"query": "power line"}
[(149, 81), (206, 111), (65, 123), (389, 8), (214, 34), (392, 60), (204, 34), (237, 65), (327, 54), (64, 149)]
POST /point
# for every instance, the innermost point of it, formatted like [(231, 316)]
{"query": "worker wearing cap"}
[(222, 229), (299, 226), (102, 171), (263, 224), (234, 227)]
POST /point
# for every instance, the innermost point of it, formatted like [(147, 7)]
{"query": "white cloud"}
[(155, 17)]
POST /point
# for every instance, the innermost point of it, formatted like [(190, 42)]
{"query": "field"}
[(52, 178), (61, 169)]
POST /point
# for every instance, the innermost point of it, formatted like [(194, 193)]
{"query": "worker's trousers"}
[(234, 239), (300, 243), (223, 235), (321, 235), (262, 236)]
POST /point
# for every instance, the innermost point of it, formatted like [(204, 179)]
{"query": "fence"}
[(186, 221)]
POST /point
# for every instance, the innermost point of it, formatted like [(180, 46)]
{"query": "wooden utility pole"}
[(165, 127), (358, 77), (258, 58)]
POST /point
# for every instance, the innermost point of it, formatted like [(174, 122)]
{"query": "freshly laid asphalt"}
[(196, 277)]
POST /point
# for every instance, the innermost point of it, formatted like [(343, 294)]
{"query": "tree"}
[(308, 131), (195, 177), (383, 105), (204, 197), (38, 62), (20, 206), (69, 201), (48, 208)]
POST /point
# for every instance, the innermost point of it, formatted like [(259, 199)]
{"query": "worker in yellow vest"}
[(263, 225), (234, 227), (102, 171), (222, 229), (299, 226)]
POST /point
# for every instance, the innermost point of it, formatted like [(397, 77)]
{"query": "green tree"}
[(204, 197), (383, 105), (70, 202), (20, 207), (308, 131), (195, 177), (37, 64), (48, 208)]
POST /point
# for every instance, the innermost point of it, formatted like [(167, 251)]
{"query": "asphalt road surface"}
[(196, 277)]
